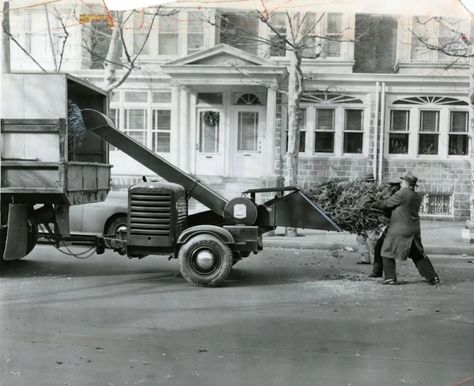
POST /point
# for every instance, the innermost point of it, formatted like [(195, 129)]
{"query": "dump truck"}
[(207, 244), (45, 168)]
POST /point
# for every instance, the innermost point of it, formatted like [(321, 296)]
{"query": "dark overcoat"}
[(404, 227)]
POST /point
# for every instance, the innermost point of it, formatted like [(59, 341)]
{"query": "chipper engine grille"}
[(157, 214), (150, 214)]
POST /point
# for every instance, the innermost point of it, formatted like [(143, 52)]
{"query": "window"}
[(445, 33), (458, 137), (324, 131), (399, 132), (168, 35), (141, 24), (211, 98), (239, 29), (36, 35), (209, 132), (353, 132), (195, 31), (161, 131), (247, 131), (114, 114), (277, 40), (302, 130), (449, 38), (437, 204), (135, 124), (249, 99), (332, 43), (429, 129), (162, 97), (136, 96)]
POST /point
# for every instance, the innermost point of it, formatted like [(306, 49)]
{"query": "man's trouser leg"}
[(423, 264), (389, 268), (378, 262)]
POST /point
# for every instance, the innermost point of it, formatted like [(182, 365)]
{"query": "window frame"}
[(399, 132), (465, 133), (360, 132), (436, 132), (333, 130)]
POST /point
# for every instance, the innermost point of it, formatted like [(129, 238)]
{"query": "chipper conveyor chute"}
[(104, 127)]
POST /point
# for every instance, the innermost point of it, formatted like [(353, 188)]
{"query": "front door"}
[(248, 149), (210, 151)]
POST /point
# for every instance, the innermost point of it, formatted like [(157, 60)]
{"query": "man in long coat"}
[(403, 237)]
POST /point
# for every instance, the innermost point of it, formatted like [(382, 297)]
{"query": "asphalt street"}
[(284, 317)]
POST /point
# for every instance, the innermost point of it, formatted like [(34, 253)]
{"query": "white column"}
[(185, 147), (175, 134), (192, 134), (270, 129)]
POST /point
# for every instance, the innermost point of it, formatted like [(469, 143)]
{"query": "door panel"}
[(210, 154), (248, 145)]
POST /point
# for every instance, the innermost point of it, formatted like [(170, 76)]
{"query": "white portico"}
[(223, 112)]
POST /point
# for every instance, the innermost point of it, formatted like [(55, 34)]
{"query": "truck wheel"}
[(205, 261), (30, 243), (118, 223)]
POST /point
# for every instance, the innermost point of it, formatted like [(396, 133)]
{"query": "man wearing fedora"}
[(403, 236)]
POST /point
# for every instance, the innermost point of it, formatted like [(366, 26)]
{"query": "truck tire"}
[(31, 242), (112, 228), (205, 261)]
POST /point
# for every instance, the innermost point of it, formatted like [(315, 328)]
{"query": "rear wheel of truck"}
[(31, 241), (205, 261), (116, 226)]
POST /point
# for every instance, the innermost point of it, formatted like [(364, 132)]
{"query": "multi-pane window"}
[(141, 24), (247, 131), (399, 133), (449, 38), (302, 130), (353, 131), (278, 34), (168, 35), (195, 31), (444, 33), (36, 35), (161, 131), (239, 29), (310, 43), (429, 132), (332, 42), (324, 131), (458, 129), (135, 124)]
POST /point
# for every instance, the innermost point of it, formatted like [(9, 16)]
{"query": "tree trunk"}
[(114, 55), (5, 64), (295, 89)]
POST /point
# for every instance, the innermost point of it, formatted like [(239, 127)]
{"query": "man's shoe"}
[(434, 281), (390, 282), (373, 274), (363, 262)]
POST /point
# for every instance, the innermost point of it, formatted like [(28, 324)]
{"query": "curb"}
[(270, 242)]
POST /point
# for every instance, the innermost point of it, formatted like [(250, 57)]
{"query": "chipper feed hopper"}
[(206, 244)]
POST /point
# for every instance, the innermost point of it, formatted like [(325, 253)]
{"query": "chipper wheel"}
[(205, 261)]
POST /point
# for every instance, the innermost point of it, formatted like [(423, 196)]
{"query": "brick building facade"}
[(376, 100)]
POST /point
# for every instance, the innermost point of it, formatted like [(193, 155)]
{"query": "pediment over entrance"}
[(221, 55)]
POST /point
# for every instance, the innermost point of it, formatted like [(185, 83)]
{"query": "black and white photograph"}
[(237, 193)]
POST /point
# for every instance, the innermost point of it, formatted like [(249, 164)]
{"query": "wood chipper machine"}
[(55, 132)]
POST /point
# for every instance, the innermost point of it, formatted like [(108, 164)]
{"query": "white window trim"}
[(414, 131), (149, 106)]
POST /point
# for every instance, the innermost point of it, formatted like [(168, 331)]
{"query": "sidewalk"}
[(438, 238)]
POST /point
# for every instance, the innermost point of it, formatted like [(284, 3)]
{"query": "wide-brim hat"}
[(410, 178)]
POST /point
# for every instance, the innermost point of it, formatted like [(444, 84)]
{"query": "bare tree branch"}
[(22, 48)]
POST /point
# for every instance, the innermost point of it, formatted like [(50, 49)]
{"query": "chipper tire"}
[(205, 261)]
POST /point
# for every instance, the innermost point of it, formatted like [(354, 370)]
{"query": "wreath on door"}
[(211, 118)]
